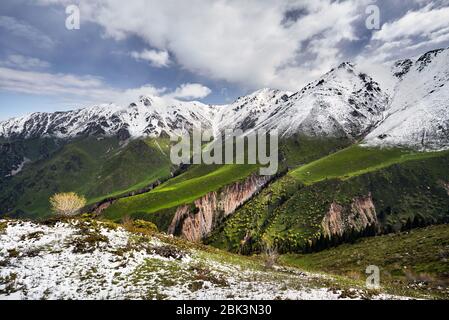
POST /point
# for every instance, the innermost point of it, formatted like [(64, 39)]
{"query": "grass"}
[(355, 161), (201, 179), (289, 212), (139, 164), (183, 189), (405, 260), (95, 168), (298, 150), (100, 169)]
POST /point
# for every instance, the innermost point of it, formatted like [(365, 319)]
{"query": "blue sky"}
[(211, 51)]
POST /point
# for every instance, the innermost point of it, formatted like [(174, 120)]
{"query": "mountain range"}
[(410, 111), (361, 153)]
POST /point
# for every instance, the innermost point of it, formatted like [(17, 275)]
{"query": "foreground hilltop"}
[(87, 259)]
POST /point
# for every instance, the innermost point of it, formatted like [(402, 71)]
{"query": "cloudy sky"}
[(206, 50)]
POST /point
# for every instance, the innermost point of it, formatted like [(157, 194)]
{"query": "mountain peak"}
[(427, 58), (146, 100), (346, 65), (345, 102), (417, 116)]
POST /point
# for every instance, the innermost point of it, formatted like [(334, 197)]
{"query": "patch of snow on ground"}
[(91, 260)]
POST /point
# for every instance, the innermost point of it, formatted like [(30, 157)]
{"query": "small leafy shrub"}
[(139, 226)]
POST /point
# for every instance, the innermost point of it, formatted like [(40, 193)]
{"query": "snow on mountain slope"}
[(344, 102), (411, 111), (250, 111), (151, 116), (418, 116)]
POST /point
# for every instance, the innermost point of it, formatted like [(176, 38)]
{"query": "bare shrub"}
[(67, 204)]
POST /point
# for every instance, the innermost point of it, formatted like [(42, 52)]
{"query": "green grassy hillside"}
[(102, 168), (413, 261), (12, 153), (159, 204), (354, 161), (186, 188), (406, 189), (94, 167), (299, 150)]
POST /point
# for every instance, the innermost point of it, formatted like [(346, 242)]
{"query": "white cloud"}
[(244, 42), (412, 34), (190, 91), (125, 97), (43, 83), (87, 90), (156, 58), (24, 30), (421, 23), (256, 44), (22, 62)]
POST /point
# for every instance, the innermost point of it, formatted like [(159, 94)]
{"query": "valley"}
[(361, 165)]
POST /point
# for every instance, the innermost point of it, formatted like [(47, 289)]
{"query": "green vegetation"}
[(410, 262), (14, 152), (185, 188), (103, 168), (299, 150), (139, 164), (288, 213), (201, 179), (96, 168), (354, 161)]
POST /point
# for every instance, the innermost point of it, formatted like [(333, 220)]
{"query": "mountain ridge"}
[(345, 102)]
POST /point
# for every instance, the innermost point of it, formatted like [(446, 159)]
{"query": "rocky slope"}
[(343, 103), (87, 259), (196, 222), (360, 216), (150, 116), (418, 115)]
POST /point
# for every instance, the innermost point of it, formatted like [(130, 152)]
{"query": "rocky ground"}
[(88, 259)]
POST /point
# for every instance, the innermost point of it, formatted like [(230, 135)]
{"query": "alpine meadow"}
[(314, 139)]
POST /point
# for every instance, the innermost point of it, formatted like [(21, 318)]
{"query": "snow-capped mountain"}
[(150, 116), (251, 111), (345, 102), (418, 115)]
